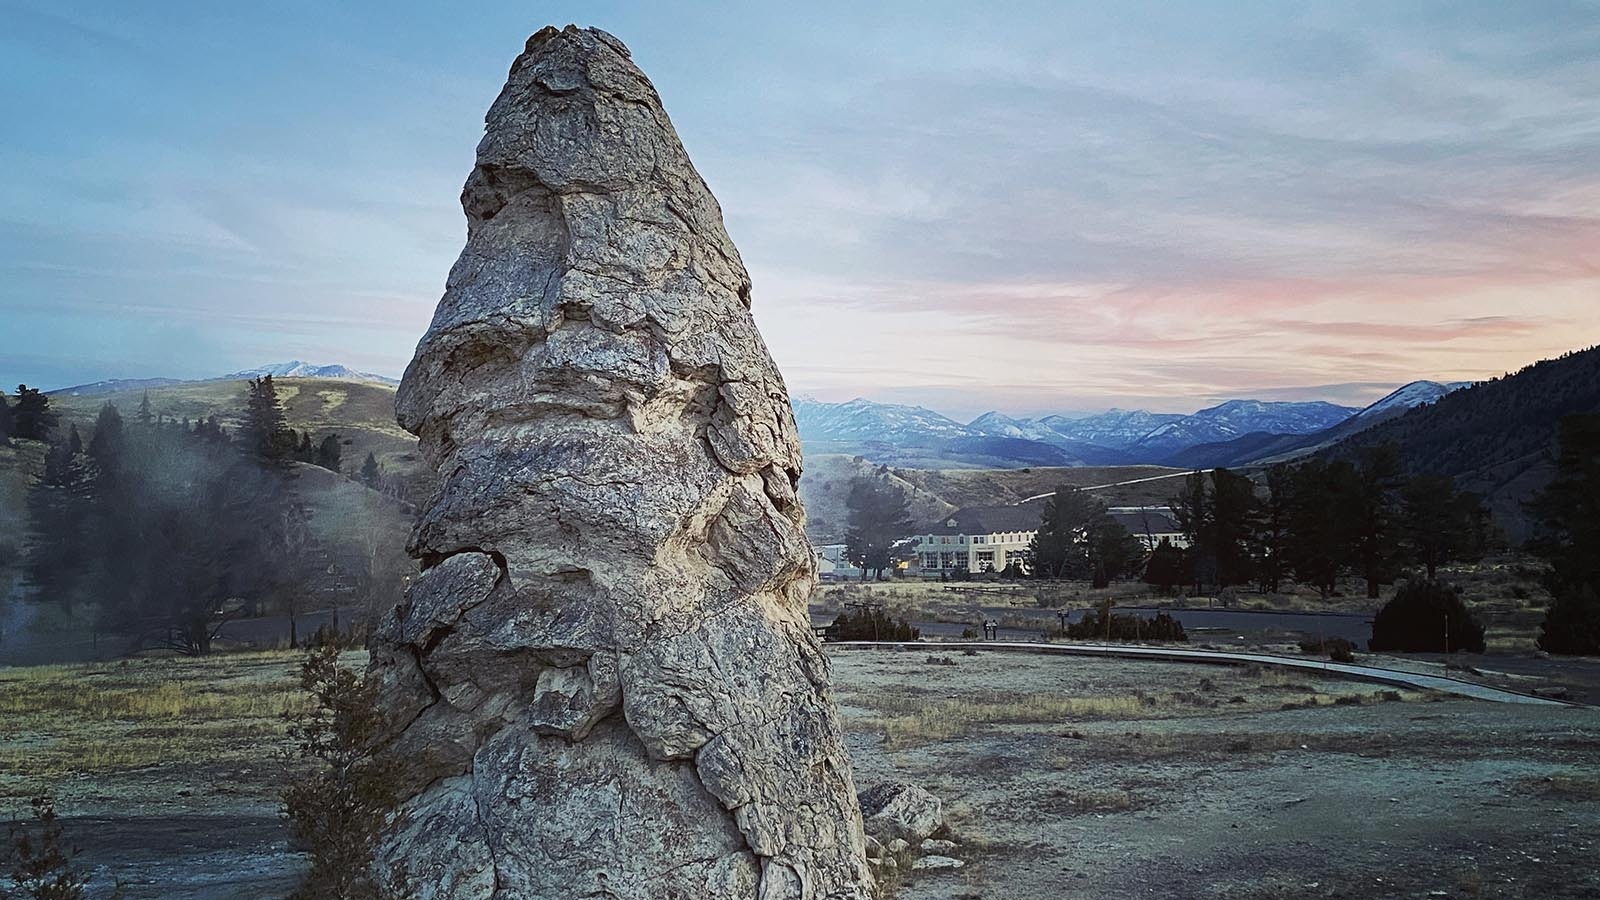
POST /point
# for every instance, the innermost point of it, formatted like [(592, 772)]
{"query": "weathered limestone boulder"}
[(605, 681), (900, 811)]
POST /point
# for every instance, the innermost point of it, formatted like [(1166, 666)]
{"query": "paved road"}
[(1393, 677)]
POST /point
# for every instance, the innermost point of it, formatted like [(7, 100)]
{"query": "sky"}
[(1040, 207)]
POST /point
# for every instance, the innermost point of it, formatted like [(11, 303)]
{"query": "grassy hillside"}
[(361, 413), (983, 487), (826, 484), (1497, 438)]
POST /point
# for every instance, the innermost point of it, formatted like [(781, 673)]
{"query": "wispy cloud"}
[(1057, 207)]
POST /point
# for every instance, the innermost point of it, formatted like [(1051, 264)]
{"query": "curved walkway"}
[(1393, 677)]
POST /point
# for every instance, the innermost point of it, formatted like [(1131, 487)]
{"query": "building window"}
[(947, 561), (980, 539)]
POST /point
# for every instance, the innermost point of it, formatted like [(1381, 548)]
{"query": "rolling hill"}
[(1497, 438), (360, 412)]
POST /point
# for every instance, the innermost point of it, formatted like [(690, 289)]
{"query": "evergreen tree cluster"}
[(879, 517), (266, 430), (1568, 512), (28, 417), (1078, 540), (163, 530), (1318, 522)]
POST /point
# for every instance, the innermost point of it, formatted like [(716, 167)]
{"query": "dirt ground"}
[(1063, 777), (1364, 798)]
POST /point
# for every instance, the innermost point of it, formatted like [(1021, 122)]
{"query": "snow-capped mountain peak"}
[(294, 368), (1410, 396)]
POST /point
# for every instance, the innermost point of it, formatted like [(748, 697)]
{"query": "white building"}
[(989, 538), (978, 539)]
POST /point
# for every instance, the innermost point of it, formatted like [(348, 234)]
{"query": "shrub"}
[(40, 859), (1426, 617), (1572, 624), (337, 811), (869, 624), (1126, 628), (1338, 649)]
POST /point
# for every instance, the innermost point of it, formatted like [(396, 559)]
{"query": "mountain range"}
[(294, 368), (914, 436), (1271, 447)]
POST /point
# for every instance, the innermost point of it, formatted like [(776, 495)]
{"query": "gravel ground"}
[(1418, 798), (1063, 778)]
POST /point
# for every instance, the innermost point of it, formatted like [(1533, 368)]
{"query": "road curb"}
[(1375, 674)]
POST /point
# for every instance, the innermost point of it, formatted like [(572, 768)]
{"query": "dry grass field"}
[(62, 724), (1064, 778)]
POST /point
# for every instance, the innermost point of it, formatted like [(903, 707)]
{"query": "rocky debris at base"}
[(900, 819), (898, 809)]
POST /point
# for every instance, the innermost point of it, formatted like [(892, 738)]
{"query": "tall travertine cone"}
[(605, 681)]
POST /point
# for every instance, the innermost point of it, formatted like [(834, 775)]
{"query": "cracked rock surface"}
[(605, 682)]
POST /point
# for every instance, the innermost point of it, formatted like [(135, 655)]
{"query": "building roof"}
[(1146, 520), (987, 520)]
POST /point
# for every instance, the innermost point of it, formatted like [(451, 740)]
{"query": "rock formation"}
[(605, 683)]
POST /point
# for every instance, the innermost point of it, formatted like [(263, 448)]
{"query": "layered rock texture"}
[(605, 683)]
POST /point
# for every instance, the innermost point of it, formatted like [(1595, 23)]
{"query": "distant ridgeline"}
[(1496, 438)]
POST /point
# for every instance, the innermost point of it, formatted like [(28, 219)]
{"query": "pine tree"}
[(1110, 551), (1439, 524), (371, 473), (266, 431), (1319, 507), (1568, 513), (32, 419), (74, 441), (1167, 567), (879, 516), (1233, 523), (6, 424), (1193, 511), (144, 410), (328, 452), (1269, 543), (1377, 545), (59, 547), (1059, 548)]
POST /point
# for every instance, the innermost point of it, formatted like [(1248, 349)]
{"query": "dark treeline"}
[(1568, 513), (1318, 522), (162, 530)]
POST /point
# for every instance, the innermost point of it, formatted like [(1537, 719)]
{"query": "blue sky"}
[(1053, 207)]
